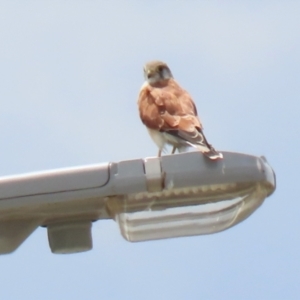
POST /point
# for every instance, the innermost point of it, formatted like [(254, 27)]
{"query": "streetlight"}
[(153, 198)]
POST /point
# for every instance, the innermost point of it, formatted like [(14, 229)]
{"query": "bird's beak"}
[(149, 73)]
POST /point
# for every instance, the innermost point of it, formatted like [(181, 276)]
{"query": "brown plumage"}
[(169, 112)]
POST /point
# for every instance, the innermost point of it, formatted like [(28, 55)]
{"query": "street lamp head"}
[(196, 196)]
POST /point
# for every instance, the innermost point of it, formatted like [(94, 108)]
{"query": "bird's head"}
[(156, 71)]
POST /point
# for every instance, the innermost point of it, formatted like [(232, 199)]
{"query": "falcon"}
[(170, 114)]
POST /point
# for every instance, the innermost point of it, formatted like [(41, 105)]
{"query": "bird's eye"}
[(160, 69)]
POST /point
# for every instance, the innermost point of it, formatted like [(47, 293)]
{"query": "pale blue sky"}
[(70, 73)]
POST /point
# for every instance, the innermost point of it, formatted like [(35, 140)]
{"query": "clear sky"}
[(70, 73)]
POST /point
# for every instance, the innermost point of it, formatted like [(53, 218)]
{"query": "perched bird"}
[(169, 113)]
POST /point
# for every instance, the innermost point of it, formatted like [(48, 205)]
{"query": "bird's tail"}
[(212, 153), (207, 149)]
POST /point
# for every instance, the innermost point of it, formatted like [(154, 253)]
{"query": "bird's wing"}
[(170, 109)]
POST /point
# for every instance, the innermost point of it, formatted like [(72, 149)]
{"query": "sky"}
[(70, 73)]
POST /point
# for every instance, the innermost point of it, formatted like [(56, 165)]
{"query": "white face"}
[(151, 77), (156, 73)]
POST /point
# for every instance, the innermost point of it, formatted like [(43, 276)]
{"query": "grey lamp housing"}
[(153, 198)]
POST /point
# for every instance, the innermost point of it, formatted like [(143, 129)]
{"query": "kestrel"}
[(169, 113)]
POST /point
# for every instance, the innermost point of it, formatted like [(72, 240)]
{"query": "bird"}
[(170, 114)]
